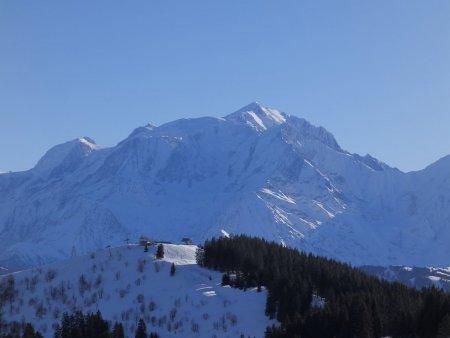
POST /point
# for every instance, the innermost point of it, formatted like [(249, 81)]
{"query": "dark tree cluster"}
[(160, 251), (18, 330), (79, 325), (356, 305)]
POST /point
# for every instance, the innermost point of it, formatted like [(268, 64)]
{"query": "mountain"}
[(127, 284), (418, 277), (257, 171)]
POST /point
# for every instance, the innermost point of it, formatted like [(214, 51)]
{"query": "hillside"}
[(414, 276), (130, 284), (313, 296), (257, 171), (264, 290)]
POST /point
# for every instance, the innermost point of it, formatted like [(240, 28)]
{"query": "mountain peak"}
[(252, 106), (87, 141), (144, 130), (68, 151), (257, 116)]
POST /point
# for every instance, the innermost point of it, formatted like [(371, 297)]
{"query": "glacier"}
[(257, 171)]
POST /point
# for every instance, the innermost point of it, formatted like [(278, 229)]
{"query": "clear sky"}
[(374, 73)]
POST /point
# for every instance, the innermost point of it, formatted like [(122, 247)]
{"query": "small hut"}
[(186, 241)]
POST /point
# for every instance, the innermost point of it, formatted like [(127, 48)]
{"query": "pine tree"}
[(29, 332), (117, 331), (225, 279), (58, 331), (271, 306), (97, 325), (146, 247), (444, 327), (160, 251), (199, 256), (141, 331), (360, 319), (173, 269)]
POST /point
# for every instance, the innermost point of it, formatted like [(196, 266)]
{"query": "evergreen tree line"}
[(79, 325), (92, 325), (356, 304), (18, 330)]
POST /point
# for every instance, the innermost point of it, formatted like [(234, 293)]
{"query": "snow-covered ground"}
[(127, 284)]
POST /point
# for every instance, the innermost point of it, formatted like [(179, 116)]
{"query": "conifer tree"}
[(199, 256), (117, 331), (141, 331), (444, 327), (173, 269), (160, 251), (226, 279), (30, 333)]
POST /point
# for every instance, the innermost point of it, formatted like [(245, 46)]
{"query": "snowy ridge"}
[(127, 284), (418, 277), (257, 171)]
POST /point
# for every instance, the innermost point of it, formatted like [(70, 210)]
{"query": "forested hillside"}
[(317, 297)]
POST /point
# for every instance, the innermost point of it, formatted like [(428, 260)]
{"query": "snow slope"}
[(418, 277), (257, 171), (130, 284)]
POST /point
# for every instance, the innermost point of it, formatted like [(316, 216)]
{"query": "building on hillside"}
[(186, 241), (144, 240)]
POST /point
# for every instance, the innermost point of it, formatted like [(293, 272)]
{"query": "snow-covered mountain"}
[(126, 284), (257, 171), (418, 277)]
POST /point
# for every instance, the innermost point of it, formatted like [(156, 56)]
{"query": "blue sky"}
[(374, 73)]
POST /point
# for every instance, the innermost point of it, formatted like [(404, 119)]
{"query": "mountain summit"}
[(257, 171), (258, 117)]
